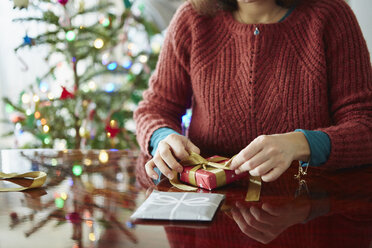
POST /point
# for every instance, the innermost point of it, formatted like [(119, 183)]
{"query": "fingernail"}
[(237, 171), (170, 176), (155, 176), (180, 170)]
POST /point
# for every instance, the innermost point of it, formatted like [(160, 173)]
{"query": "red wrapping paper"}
[(207, 179)]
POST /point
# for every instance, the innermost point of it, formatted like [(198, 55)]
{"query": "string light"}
[(110, 87), (54, 162), (59, 202), (36, 98), (64, 196), (37, 114), (98, 43), (112, 66), (105, 58), (77, 170), (70, 35), (103, 156), (9, 108), (26, 98), (131, 46), (186, 119), (46, 128), (92, 237), (143, 59), (87, 162), (43, 86), (156, 47), (50, 96), (82, 131), (47, 140), (92, 85), (127, 64), (104, 21), (113, 123)]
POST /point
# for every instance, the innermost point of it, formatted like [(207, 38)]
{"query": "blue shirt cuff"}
[(156, 137), (320, 147)]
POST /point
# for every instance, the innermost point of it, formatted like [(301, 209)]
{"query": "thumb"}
[(191, 147)]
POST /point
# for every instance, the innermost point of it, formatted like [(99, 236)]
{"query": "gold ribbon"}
[(207, 164), (212, 165), (254, 189), (38, 179)]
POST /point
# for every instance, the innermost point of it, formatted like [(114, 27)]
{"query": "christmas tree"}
[(106, 59)]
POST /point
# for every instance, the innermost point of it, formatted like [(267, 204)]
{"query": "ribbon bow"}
[(196, 160), (38, 177), (199, 162)]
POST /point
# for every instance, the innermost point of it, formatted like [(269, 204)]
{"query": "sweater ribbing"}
[(312, 71)]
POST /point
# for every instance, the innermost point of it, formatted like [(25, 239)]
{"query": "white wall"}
[(363, 10)]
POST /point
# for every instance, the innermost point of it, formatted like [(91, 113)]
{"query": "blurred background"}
[(73, 71)]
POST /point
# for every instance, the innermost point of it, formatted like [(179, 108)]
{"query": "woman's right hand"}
[(170, 150)]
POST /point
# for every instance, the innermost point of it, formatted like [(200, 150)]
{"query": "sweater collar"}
[(244, 29)]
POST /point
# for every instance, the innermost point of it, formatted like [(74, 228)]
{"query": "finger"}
[(191, 147), (272, 175), (262, 169), (247, 153), (245, 228), (262, 216), (271, 209), (149, 167), (149, 191), (167, 156), (251, 220), (162, 166), (176, 144)]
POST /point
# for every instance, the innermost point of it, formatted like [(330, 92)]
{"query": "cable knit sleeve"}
[(350, 89), (169, 93)]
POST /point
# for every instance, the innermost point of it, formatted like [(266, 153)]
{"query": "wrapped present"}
[(207, 173), (179, 206)]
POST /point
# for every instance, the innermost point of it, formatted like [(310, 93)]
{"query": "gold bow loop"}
[(38, 179), (196, 160)]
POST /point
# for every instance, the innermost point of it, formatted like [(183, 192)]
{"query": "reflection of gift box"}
[(208, 173)]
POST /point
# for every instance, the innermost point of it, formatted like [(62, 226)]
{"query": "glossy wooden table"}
[(90, 195)]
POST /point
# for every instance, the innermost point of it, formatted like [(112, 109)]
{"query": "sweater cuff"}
[(320, 147)]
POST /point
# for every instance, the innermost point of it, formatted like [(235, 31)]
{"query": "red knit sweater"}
[(311, 71)]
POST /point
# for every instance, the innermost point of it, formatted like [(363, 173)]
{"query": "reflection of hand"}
[(269, 156), (268, 222), (170, 149)]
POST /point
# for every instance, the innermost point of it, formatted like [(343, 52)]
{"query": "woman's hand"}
[(269, 156), (174, 147)]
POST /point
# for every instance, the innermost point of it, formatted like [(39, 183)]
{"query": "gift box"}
[(179, 206), (208, 173)]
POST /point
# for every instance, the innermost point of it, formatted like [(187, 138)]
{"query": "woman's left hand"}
[(269, 156)]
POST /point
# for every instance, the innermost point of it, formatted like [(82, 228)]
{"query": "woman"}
[(271, 81)]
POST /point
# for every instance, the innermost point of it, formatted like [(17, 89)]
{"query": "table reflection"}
[(324, 209), (89, 197)]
